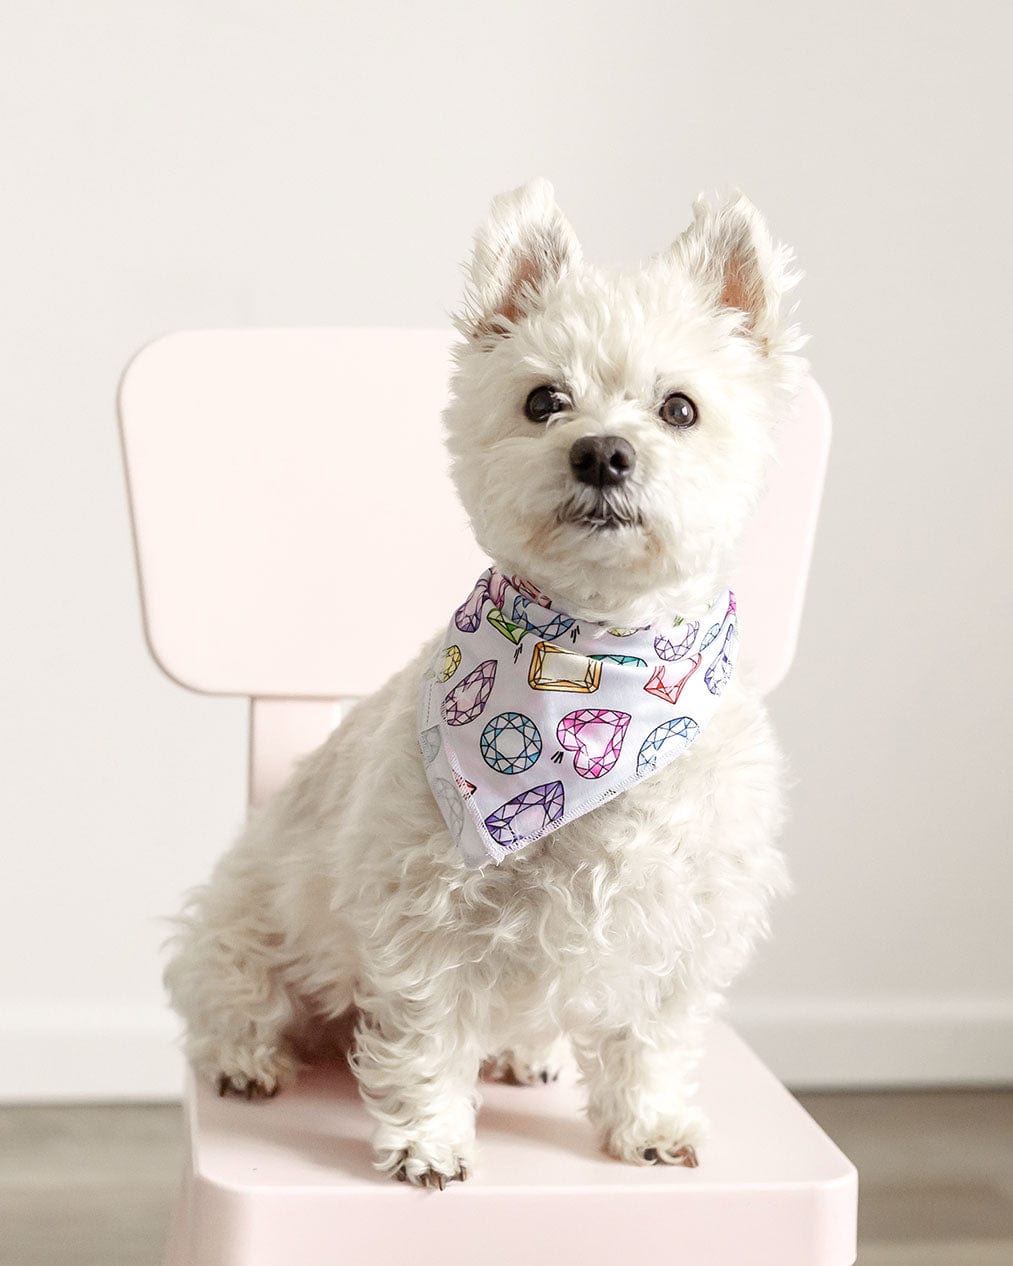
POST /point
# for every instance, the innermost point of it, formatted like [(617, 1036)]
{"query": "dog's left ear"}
[(524, 246), (729, 248)]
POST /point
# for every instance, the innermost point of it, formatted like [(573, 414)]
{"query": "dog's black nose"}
[(602, 460)]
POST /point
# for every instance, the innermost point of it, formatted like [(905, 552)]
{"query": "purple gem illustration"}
[(719, 673), (679, 729), (595, 736), (672, 648), (527, 815), (468, 698)]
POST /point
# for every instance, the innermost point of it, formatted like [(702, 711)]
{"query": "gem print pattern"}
[(530, 718)]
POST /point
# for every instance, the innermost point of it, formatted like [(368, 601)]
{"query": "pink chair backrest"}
[(285, 484)]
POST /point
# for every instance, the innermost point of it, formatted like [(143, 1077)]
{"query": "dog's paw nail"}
[(244, 1087), (651, 1154), (544, 1074)]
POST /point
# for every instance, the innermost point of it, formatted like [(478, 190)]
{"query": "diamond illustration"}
[(450, 806), (526, 815), (502, 625), (595, 736), (534, 618), (451, 663), (468, 615), (552, 668), (468, 698), (671, 689), (675, 647), (510, 743), (628, 661), (680, 729), (627, 632), (711, 634), (719, 673), (429, 742)]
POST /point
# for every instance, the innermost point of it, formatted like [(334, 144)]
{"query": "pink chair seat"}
[(289, 1182)]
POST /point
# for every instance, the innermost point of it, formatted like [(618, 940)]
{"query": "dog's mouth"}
[(603, 514)]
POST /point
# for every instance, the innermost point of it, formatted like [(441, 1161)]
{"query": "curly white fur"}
[(618, 933)]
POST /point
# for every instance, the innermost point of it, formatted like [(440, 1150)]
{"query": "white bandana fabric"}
[(530, 719)]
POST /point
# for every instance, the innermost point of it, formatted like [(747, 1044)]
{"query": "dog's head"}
[(609, 430)]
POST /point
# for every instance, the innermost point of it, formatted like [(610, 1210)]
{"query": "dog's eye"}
[(544, 402), (678, 410)]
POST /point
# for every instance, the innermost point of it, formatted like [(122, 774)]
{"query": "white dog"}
[(617, 933)]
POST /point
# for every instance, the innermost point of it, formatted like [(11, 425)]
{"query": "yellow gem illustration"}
[(451, 663), (552, 668)]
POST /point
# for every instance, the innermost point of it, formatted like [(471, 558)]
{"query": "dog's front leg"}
[(641, 1084), (418, 1077)]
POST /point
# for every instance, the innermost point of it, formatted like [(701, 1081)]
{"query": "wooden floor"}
[(92, 1186)]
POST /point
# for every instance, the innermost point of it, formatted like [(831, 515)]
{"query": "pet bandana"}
[(529, 719)]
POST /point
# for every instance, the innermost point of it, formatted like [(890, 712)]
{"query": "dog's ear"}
[(523, 247), (729, 248)]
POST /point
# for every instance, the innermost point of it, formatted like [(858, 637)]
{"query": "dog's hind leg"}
[(227, 979), (531, 1062)]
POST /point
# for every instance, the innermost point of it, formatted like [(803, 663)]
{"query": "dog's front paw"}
[(413, 1165), (672, 1141)]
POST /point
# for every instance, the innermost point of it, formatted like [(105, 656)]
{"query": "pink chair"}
[(251, 528)]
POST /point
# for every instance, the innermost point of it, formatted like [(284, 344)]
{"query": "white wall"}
[(207, 163)]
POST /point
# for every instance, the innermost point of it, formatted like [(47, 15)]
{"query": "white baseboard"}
[(873, 1042), (129, 1053), (76, 1053)]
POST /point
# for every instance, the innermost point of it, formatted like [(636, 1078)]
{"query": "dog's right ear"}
[(524, 246)]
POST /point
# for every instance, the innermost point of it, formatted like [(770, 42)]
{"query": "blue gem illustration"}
[(538, 619), (682, 729), (510, 743), (712, 633)]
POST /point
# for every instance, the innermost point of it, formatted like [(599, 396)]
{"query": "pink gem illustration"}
[(595, 736), (526, 816), (469, 697), (671, 689)]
